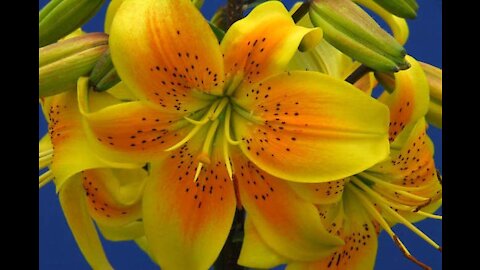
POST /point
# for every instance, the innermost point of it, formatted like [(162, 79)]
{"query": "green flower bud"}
[(104, 75), (401, 8), (62, 63), (60, 17), (351, 30), (386, 79)]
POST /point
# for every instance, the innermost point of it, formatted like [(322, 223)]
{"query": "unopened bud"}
[(386, 79), (62, 63), (104, 75), (351, 30), (401, 8), (60, 17)]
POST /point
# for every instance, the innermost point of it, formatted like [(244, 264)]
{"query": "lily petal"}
[(255, 252), (125, 232), (187, 221), (121, 92), (263, 43), (409, 100), (169, 56), (320, 193), (72, 153), (72, 200), (111, 11), (353, 224), (109, 202), (130, 131), (289, 225), (411, 165), (308, 127)]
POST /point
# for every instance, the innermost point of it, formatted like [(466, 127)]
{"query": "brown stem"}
[(357, 74), (227, 260), (301, 11), (234, 12)]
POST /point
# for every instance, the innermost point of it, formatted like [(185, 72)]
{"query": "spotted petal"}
[(111, 202), (262, 44), (72, 200), (169, 56), (350, 221), (320, 193), (72, 153), (290, 226), (409, 100), (308, 127), (411, 166), (187, 222), (132, 131)]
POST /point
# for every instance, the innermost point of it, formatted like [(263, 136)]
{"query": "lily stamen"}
[(45, 153), (45, 161), (378, 197), (245, 114), (391, 186), (45, 178), (409, 225), (185, 139), (378, 217), (410, 195), (228, 116), (432, 216), (387, 207), (204, 156), (390, 204), (206, 117), (197, 127), (226, 157), (218, 110), (419, 204), (197, 172), (234, 83)]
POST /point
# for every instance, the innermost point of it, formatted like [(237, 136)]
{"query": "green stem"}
[(301, 11), (227, 260)]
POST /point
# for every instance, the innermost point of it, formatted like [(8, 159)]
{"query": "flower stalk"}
[(227, 260)]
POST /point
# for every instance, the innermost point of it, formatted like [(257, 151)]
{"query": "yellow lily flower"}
[(405, 188), (212, 113), (88, 188)]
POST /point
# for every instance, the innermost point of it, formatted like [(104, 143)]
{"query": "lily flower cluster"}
[(190, 136)]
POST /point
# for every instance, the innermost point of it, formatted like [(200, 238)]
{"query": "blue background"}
[(57, 247)]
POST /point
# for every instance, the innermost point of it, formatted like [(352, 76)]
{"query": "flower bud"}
[(351, 30), (401, 8), (386, 79), (60, 17), (104, 75), (62, 63)]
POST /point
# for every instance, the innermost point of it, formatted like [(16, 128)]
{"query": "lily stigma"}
[(226, 126)]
